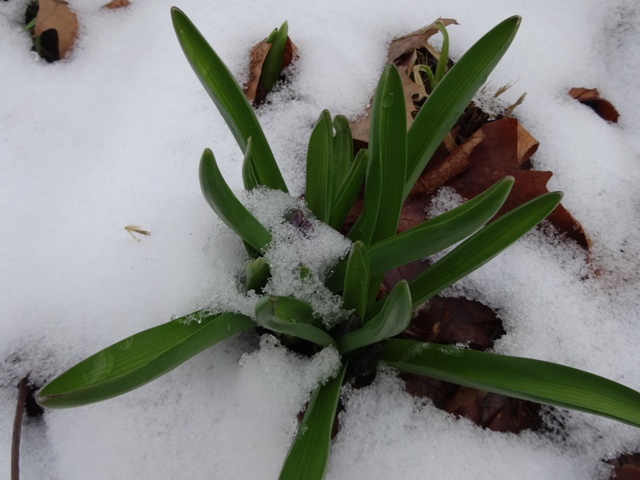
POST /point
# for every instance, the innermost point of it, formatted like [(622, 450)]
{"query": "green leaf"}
[(319, 183), (342, 149), (433, 235), (452, 95), (292, 317), (308, 454), (392, 320), (441, 67), (356, 281), (272, 65), (387, 162), (140, 358), (348, 191), (248, 173), (524, 378), (478, 249), (388, 145), (229, 98), (256, 274), (227, 206)]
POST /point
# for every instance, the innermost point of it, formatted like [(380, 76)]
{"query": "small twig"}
[(23, 390)]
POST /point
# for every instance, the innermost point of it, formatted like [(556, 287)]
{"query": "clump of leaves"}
[(388, 169)]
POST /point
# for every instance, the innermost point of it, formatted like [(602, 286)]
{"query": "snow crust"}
[(111, 137)]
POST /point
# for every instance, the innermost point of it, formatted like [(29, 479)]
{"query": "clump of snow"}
[(445, 199), (300, 257)]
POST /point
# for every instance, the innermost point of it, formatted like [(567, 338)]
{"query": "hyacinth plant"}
[(388, 169)]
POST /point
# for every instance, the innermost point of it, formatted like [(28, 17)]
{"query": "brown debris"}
[(57, 26), (591, 97), (626, 467), (113, 4)]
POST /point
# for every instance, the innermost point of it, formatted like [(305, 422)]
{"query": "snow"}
[(111, 137)]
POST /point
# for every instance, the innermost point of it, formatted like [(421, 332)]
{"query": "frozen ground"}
[(112, 137)]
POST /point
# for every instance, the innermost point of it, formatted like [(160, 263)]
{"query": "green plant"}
[(434, 78), (394, 160), (272, 65)]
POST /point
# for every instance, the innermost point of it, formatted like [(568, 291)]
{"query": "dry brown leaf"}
[(117, 4), (626, 467), (55, 15), (255, 92), (402, 53), (591, 97), (506, 150), (459, 320), (443, 171)]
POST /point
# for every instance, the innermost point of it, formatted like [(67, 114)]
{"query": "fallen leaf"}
[(506, 150), (255, 92), (458, 320), (56, 23), (117, 4), (626, 467), (591, 97)]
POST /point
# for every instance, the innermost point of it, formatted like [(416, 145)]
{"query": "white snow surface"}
[(112, 135)]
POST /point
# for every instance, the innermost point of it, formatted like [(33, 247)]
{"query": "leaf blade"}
[(222, 200), (319, 178), (433, 235), (524, 378), (392, 320), (356, 280), (291, 316), (482, 247), (120, 368), (228, 97), (308, 454)]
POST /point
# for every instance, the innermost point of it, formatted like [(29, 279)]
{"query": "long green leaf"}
[(248, 173), (309, 452), (227, 206), (388, 142), (140, 358), (342, 149), (482, 247), (356, 281), (272, 65), (452, 95), (444, 54), (433, 235), (392, 320), (524, 378), (348, 192), (292, 317), (229, 98), (319, 178), (387, 162)]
